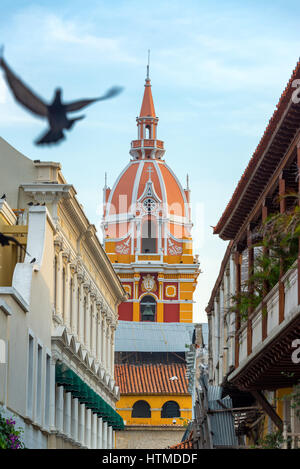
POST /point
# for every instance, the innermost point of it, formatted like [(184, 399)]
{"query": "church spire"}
[(147, 109), (147, 146)]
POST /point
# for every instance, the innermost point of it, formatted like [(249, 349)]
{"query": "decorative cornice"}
[(62, 341), (58, 244), (80, 277), (73, 268), (66, 257), (7, 212)]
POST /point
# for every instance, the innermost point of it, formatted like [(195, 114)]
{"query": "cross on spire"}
[(148, 64), (149, 170)]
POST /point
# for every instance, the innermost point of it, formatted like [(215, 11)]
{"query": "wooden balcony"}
[(264, 342)]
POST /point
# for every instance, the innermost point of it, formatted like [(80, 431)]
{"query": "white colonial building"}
[(58, 312)]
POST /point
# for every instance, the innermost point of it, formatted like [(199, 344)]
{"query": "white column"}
[(96, 335), (59, 285), (77, 310), (113, 439), (74, 426), (87, 322), (108, 347), (139, 237), (112, 354), (59, 409), (81, 429), (88, 427), (104, 341), (67, 294), (99, 328), (99, 433), (109, 437), (67, 414), (94, 431), (74, 306), (52, 395), (81, 315), (94, 327), (159, 237), (105, 435)]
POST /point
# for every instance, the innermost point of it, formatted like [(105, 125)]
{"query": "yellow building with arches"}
[(150, 371)]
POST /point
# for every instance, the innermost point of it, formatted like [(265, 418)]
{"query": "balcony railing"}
[(264, 322), (147, 143)]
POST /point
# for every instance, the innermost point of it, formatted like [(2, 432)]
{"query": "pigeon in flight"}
[(56, 111), (6, 240)]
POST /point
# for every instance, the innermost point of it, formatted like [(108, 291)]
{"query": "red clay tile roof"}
[(272, 127), (151, 379), (186, 444)]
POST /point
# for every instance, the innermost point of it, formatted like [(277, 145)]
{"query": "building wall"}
[(148, 438)]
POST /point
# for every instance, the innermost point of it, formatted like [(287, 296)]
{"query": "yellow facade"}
[(156, 402)]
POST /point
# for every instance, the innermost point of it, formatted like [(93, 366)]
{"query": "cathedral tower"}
[(147, 230)]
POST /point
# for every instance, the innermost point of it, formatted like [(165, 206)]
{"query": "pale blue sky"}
[(217, 69)]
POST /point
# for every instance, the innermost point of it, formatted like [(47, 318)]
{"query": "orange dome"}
[(164, 187), (147, 192)]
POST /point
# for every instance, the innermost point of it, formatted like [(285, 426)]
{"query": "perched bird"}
[(56, 111), (173, 378), (4, 196), (33, 260)]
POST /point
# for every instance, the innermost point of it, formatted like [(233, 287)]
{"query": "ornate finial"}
[(148, 64)]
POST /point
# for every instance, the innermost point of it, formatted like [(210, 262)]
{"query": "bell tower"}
[(147, 229)]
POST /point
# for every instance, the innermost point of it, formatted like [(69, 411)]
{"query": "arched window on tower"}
[(148, 308), (149, 237), (148, 131), (141, 409), (170, 410)]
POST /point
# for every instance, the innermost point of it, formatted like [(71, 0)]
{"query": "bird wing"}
[(22, 93), (5, 240), (77, 105)]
